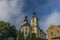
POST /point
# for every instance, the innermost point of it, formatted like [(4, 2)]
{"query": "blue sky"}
[(14, 11)]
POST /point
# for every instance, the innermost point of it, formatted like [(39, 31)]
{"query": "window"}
[(26, 33), (33, 20), (52, 33), (26, 29), (58, 31), (33, 29)]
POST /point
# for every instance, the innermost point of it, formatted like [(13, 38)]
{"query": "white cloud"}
[(11, 11), (3, 11), (52, 19)]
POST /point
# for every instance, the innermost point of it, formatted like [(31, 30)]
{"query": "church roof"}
[(52, 26)]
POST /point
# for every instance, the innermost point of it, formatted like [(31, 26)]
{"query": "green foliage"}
[(20, 36), (28, 37), (38, 38), (7, 30), (33, 36)]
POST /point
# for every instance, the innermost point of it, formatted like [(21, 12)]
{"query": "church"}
[(32, 27)]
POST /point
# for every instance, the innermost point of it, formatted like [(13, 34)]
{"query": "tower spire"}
[(25, 21), (25, 18), (34, 13)]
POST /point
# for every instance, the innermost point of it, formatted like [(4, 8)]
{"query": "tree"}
[(28, 37), (38, 38), (33, 36), (7, 30), (20, 36)]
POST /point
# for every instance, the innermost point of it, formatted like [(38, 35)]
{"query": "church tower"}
[(32, 28), (34, 20), (35, 24), (25, 28)]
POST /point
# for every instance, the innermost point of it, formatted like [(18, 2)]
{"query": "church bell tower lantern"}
[(34, 20)]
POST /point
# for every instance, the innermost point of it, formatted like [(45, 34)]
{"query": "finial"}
[(34, 13), (25, 17)]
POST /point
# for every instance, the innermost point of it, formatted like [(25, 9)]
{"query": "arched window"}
[(52, 33), (58, 32)]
